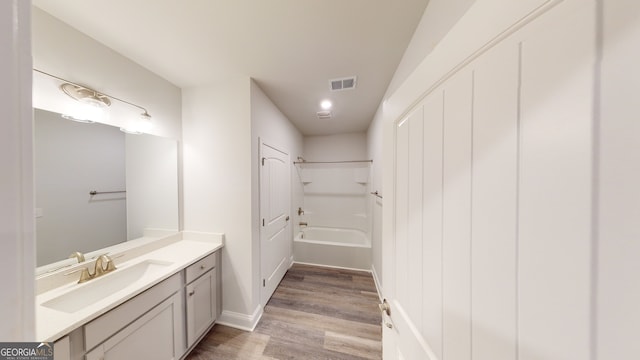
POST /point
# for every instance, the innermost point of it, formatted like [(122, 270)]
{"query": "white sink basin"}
[(97, 289)]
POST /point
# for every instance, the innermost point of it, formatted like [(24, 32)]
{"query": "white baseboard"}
[(241, 321), (329, 266), (376, 279)]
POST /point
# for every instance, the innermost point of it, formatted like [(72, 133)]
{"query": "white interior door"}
[(490, 205), (275, 234), (404, 331)]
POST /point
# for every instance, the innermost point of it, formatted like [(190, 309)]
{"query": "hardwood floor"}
[(315, 313)]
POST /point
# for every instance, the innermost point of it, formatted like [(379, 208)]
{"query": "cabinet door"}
[(62, 349), (201, 306), (153, 336)]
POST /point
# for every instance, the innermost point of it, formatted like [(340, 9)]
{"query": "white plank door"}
[(275, 234), (494, 205), (403, 327), (488, 233)]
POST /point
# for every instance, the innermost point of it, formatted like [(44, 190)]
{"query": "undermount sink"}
[(97, 289)]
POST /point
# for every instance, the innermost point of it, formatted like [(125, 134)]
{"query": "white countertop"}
[(52, 324)]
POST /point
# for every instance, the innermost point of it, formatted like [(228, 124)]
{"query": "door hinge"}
[(263, 161), (264, 283)]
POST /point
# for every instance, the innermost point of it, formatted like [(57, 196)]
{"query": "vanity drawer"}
[(200, 267)]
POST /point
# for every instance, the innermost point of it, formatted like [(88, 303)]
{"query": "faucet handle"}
[(110, 264), (85, 275), (104, 264), (78, 255)]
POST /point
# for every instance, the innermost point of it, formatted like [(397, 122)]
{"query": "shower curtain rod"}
[(332, 162)]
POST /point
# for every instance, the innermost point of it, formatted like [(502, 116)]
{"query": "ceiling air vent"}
[(325, 114), (347, 83)]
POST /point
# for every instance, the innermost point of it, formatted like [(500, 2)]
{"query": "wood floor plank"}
[(326, 323), (348, 344), (326, 305), (316, 313), (224, 342)]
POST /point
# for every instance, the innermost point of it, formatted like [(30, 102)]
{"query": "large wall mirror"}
[(97, 186)]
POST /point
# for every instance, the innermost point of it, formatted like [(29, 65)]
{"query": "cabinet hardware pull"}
[(192, 292), (202, 267)]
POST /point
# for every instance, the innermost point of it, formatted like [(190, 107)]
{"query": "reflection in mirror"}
[(135, 177)]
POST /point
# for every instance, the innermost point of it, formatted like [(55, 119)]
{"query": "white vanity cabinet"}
[(201, 297), (161, 323), (147, 327)]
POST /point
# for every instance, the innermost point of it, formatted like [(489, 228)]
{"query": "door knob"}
[(385, 307)]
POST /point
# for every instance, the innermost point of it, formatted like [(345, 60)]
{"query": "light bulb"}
[(94, 101), (87, 112), (140, 125), (71, 117), (144, 122)]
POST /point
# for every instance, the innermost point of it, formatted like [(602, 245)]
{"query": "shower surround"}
[(337, 214)]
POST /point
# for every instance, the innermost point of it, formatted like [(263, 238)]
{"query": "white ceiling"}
[(290, 47)]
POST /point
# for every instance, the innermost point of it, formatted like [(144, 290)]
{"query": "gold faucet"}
[(103, 265)]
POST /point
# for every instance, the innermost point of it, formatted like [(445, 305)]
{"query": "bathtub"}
[(345, 248)]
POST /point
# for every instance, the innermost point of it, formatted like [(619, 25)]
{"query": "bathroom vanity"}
[(160, 301)]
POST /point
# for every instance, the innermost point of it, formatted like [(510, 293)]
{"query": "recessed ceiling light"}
[(326, 104)]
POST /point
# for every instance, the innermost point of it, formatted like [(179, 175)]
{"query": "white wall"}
[(217, 182), (617, 172), (270, 126), (72, 159), (222, 123), (339, 147), (17, 241)]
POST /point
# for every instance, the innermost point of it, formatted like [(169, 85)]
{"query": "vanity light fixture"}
[(95, 103), (85, 95), (92, 103)]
